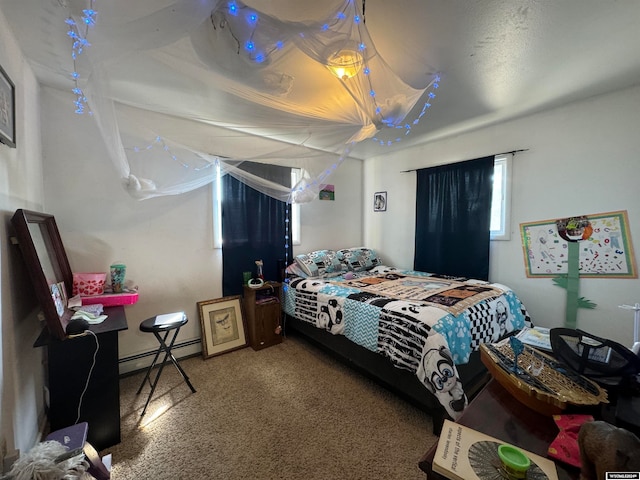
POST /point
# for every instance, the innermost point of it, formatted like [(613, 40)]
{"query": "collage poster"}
[(607, 252)]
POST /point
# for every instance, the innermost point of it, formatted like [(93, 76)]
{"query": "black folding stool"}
[(156, 325)]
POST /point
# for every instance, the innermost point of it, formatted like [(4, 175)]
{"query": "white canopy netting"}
[(184, 86)]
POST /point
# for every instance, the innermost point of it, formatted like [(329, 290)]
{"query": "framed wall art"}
[(380, 202), (223, 325), (327, 192), (7, 110)]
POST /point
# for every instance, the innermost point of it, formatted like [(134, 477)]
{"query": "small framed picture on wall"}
[(7, 110), (380, 202)]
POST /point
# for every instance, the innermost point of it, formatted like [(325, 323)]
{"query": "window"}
[(501, 200), (296, 175), (216, 189)]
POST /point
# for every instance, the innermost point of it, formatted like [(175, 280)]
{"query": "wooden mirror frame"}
[(55, 254)]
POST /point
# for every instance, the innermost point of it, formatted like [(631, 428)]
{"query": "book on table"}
[(467, 454), (540, 338), (537, 337)]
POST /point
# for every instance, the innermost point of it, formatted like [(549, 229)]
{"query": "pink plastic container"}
[(88, 283)]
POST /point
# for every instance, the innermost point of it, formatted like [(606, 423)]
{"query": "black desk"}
[(68, 366)]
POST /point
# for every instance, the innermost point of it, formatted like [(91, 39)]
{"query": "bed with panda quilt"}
[(422, 323)]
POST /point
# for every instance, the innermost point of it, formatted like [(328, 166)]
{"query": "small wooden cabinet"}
[(263, 311)]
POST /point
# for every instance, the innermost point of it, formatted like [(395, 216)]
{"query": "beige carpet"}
[(285, 412)]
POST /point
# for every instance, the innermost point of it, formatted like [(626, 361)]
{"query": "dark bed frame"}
[(405, 384)]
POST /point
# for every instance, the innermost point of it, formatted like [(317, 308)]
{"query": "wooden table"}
[(495, 412)]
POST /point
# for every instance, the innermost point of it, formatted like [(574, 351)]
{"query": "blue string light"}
[(78, 44), (158, 142), (89, 17), (407, 126), (286, 235)]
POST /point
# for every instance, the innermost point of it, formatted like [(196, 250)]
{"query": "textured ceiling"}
[(498, 59)]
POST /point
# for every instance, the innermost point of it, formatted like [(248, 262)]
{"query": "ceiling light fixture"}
[(345, 64)]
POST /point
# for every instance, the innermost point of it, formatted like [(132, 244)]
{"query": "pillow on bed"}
[(294, 269), (321, 263), (358, 259), (383, 269)]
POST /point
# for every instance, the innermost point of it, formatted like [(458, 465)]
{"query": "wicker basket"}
[(541, 382)]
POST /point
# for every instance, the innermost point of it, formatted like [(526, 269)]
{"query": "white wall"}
[(21, 379), (166, 243), (335, 224), (582, 158)]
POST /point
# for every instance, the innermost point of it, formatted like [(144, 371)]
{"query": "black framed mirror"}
[(46, 260)]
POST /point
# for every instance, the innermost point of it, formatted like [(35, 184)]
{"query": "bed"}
[(416, 333)]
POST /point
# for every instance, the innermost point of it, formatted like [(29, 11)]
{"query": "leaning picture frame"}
[(7, 110), (223, 325)]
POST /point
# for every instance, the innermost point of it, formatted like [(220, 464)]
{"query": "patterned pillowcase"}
[(383, 269), (295, 270), (358, 259), (321, 263)]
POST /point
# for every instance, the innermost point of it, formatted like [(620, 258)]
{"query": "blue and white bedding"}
[(422, 322)]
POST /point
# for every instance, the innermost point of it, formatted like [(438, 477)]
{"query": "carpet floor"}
[(285, 412)]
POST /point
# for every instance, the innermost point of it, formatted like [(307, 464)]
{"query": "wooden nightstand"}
[(263, 311)]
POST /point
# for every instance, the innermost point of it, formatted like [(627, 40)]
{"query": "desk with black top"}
[(68, 366), (495, 412)]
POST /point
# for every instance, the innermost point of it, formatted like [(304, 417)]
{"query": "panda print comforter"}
[(422, 322)]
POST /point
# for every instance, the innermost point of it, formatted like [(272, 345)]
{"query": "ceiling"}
[(497, 59)]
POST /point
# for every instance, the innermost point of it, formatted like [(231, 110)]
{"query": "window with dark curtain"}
[(453, 218), (253, 227)]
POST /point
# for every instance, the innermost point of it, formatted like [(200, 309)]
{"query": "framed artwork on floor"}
[(7, 110), (223, 325), (380, 202)]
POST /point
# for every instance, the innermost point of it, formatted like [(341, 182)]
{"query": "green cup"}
[(118, 271)]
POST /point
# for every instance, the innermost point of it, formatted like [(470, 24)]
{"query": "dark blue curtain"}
[(253, 227), (453, 218)]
